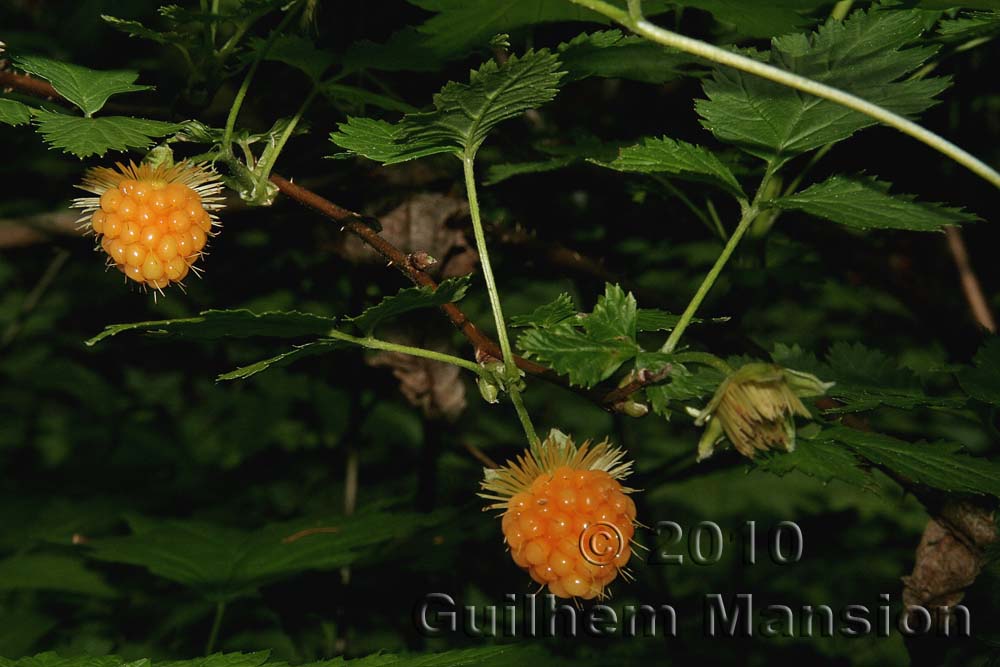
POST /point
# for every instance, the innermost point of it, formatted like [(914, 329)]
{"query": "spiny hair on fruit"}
[(566, 517), (152, 222)]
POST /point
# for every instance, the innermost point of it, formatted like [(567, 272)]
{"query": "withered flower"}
[(755, 407)]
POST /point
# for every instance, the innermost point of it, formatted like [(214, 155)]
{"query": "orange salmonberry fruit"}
[(566, 517), (152, 222)]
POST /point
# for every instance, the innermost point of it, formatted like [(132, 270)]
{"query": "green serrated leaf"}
[(50, 659), (137, 29), (464, 113), (653, 319), (591, 349), (676, 157), (938, 465), (820, 458), (759, 19), (501, 172), (223, 563), (240, 323), (581, 146), (683, 384), (405, 50), (865, 203), (51, 572), (461, 26), (13, 112), (970, 26), (297, 352), (863, 55), (982, 381), (89, 89), (409, 299), (96, 136), (254, 659), (549, 315), (610, 54), (296, 51), (383, 142), (864, 379)]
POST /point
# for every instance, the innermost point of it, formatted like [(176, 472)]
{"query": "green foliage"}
[(343, 93), (283, 359), (463, 25), (13, 112), (549, 315), (938, 465), (222, 563), (229, 323), (864, 55), (456, 658), (759, 19), (974, 25), (409, 299), (588, 350), (676, 157), (609, 54), (823, 458), (295, 51), (137, 29), (865, 203), (51, 572), (88, 89), (464, 113), (84, 137), (865, 378), (982, 381)]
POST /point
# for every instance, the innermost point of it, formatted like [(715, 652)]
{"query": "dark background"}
[(138, 426)]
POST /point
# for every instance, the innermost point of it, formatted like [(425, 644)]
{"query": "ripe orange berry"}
[(566, 517), (152, 222)]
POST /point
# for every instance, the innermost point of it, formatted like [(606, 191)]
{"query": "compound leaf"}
[(590, 349), (863, 55), (464, 113)]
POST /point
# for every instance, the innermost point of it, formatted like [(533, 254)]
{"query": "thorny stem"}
[(376, 344), (511, 372), (654, 33), (213, 635)]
